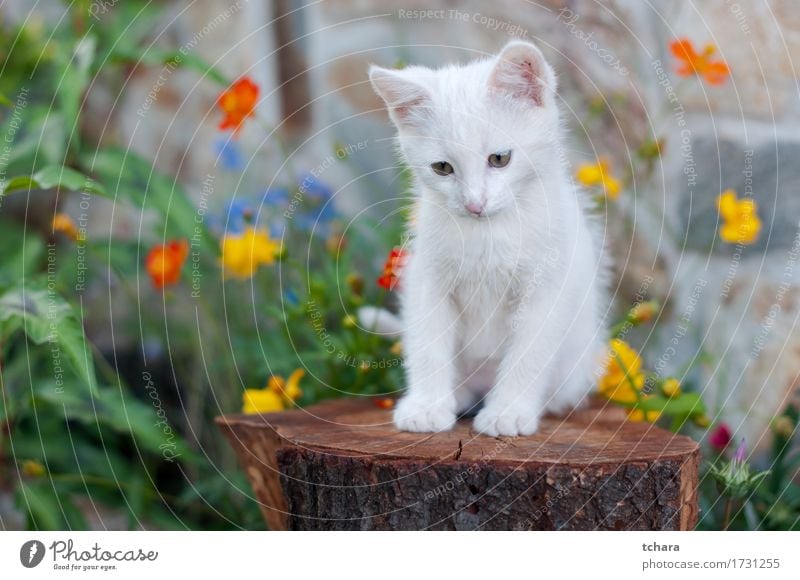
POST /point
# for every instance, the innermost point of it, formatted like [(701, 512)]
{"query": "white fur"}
[(504, 308)]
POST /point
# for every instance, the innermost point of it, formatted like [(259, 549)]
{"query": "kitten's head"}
[(476, 136)]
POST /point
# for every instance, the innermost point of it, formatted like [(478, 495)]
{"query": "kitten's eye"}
[(442, 168), (500, 159)]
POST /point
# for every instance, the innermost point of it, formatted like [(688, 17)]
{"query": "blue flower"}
[(228, 154), (317, 207), (313, 188)]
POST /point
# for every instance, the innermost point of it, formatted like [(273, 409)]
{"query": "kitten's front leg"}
[(429, 343), (517, 400)]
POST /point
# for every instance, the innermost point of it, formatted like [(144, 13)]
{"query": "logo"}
[(31, 553)]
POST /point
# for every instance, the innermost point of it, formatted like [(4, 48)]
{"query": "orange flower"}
[(715, 72), (384, 403), (64, 224), (238, 103), (164, 262), (391, 270)]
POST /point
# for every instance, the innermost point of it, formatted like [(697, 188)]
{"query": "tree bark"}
[(341, 465)]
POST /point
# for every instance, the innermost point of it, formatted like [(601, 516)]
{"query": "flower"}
[(392, 269), (261, 401), (384, 402), (599, 173), (238, 102), (643, 312), (243, 253), (671, 387), (275, 396), (64, 224), (639, 415), (623, 377), (715, 72), (721, 437), (228, 154), (734, 477), (315, 201), (741, 222), (164, 262), (33, 468)]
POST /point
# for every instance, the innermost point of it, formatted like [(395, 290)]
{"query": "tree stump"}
[(341, 465)]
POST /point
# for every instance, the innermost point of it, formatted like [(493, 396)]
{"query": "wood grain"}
[(341, 465)]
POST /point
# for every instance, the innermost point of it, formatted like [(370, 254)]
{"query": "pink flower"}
[(721, 437)]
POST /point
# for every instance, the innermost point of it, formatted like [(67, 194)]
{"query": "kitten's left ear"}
[(522, 72)]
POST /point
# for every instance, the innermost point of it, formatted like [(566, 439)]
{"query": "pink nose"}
[(474, 207)]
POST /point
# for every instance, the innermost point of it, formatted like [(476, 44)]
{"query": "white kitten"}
[(503, 294)]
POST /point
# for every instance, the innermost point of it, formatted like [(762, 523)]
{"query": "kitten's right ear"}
[(407, 100)]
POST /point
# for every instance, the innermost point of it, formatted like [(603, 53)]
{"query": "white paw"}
[(507, 422), (423, 417)]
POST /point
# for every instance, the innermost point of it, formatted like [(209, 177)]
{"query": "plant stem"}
[(726, 520)]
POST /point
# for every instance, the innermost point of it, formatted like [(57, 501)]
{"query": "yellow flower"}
[(639, 415), (289, 389), (243, 253), (261, 401), (275, 396), (349, 321), (671, 388), (623, 376), (599, 173), (64, 224), (741, 222), (33, 468), (397, 348)]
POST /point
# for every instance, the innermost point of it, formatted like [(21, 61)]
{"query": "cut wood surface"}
[(341, 465)]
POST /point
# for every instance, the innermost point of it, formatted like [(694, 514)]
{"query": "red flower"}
[(164, 262), (384, 403), (391, 270), (238, 102), (721, 437), (715, 72)]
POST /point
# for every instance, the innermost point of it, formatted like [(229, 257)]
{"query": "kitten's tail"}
[(379, 320)]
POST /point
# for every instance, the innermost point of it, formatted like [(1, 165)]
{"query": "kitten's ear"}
[(405, 98), (522, 72)]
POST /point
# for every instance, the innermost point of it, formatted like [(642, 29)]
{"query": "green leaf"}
[(172, 59), (4, 100), (52, 177), (73, 82), (688, 404), (24, 251), (49, 508), (132, 178), (48, 318)]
